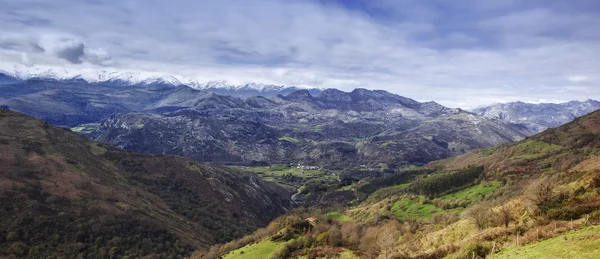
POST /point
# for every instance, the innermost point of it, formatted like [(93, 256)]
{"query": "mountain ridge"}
[(130, 78), (334, 128)]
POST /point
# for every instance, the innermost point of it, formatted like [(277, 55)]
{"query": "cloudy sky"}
[(459, 53)]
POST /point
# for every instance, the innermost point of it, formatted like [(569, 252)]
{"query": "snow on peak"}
[(128, 78)]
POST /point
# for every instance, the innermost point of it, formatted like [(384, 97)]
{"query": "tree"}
[(505, 215), (480, 215), (542, 195), (368, 242), (387, 241), (323, 238)]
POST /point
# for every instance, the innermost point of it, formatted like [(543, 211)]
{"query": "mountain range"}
[(536, 118), (308, 126), (129, 78)]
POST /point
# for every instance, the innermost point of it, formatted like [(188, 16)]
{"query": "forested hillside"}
[(64, 195)]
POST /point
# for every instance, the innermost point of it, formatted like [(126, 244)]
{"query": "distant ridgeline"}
[(327, 128)]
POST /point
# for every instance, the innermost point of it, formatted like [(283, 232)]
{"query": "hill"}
[(63, 194)]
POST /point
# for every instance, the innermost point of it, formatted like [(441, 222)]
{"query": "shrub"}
[(480, 250), (563, 213)]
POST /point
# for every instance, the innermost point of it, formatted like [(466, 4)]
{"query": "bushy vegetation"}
[(187, 202), (53, 231)]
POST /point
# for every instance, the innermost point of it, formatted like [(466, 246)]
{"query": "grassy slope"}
[(412, 208), (579, 244), (261, 249), (416, 208), (472, 194), (339, 216)]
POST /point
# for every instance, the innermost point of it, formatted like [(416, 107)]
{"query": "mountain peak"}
[(299, 95), (332, 94)]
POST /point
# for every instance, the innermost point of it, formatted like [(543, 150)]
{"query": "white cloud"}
[(577, 79), (502, 51)]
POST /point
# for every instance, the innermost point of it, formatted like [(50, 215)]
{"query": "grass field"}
[(472, 194), (259, 250), (579, 244), (412, 208), (339, 216), (271, 173), (534, 149), (417, 208)]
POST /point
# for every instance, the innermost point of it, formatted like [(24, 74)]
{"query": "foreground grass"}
[(583, 243), (261, 249)]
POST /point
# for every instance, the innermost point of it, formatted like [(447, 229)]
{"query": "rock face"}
[(63, 194), (535, 118), (334, 129)]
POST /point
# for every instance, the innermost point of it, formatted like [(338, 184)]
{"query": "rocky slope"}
[(536, 118), (62, 194)]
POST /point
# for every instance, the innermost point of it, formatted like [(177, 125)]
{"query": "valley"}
[(505, 202), (359, 174), (277, 129)]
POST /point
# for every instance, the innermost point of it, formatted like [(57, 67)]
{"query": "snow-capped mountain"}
[(141, 78), (538, 117)]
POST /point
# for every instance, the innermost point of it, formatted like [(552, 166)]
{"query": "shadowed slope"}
[(63, 194)]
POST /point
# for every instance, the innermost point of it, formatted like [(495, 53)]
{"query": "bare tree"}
[(386, 242), (505, 215), (480, 215), (542, 194)]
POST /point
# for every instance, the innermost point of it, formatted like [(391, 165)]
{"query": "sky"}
[(463, 53)]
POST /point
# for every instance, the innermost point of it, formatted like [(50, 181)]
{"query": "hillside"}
[(536, 198), (62, 194), (572, 147)]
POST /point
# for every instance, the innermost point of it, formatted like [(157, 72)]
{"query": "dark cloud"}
[(71, 51)]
